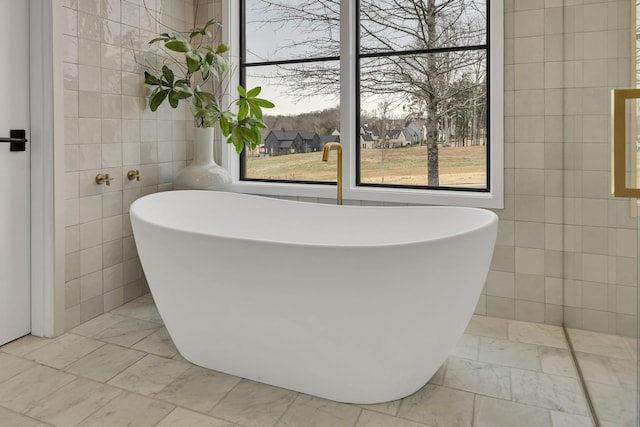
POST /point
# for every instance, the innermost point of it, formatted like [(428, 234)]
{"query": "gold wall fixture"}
[(104, 178), (325, 157), (134, 174), (619, 99)]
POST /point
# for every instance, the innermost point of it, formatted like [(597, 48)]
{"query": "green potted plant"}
[(200, 78)]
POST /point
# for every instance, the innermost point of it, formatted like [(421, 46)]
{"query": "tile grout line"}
[(583, 383)]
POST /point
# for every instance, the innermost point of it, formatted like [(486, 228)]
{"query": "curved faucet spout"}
[(325, 157)]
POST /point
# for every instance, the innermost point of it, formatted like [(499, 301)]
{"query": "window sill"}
[(374, 195)]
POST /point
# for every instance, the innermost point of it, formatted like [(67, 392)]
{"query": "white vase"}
[(203, 173)]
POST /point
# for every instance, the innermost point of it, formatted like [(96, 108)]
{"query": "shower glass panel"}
[(601, 251)]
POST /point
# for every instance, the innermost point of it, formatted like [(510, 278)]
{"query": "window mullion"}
[(348, 82)]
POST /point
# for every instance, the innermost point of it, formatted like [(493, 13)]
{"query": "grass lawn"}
[(458, 166)]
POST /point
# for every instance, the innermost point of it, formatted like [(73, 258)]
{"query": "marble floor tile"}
[(129, 410), (548, 391), (254, 404), (180, 417), (128, 331), (485, 326), (97, 325), (24, 345), (149, 375), (536, 333), (105, 363), (562, 419), (22, 392), (438, 377), (478, 377), (142, 308), (73, 403), (491, 412), (12, 365), (198, 388), (632, 345), (316, 412), (614, 404), (509, 353), (467, 347), (438, 407), (596, 368), (600, 344), (501, 373), (557, 361), (64, 350), (609, 424), (12, 419), (375, 419), (626, 371), (387, 408), (158, 343)]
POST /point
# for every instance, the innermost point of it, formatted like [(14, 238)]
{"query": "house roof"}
[(366, 137), (286, 144), (393, 133), (285, 135), (329, 138), (306, 134)]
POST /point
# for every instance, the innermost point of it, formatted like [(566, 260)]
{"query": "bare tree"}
[(431, 38), (383, 117)]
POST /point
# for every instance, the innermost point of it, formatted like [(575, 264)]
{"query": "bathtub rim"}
[(491, 219)]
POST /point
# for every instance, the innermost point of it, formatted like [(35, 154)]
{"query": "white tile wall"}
[(107, 130)]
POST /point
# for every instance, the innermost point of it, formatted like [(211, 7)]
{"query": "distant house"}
[(366, 141), (279, 142), (413, 133), (370, 130), (395, 138), (325, 139), (306, 142)]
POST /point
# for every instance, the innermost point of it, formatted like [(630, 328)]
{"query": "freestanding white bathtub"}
[(349, 303)]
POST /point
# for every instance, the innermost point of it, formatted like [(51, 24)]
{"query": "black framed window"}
[(421, 83), (292, 50)]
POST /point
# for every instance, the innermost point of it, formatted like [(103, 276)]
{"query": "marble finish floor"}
[(121, 369), (609, 366)]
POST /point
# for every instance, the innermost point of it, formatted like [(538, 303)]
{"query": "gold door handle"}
[(619, 99)]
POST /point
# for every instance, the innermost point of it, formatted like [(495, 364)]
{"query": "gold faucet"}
[(325, 157)]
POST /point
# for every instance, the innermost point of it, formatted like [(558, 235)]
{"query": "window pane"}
[(391, 25), (424, 120), (305, 118), (291, 29)]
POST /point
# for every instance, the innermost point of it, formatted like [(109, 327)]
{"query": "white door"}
[(15, 283)]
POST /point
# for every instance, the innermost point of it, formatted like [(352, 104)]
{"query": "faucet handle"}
[(104, 178), (134, 174)]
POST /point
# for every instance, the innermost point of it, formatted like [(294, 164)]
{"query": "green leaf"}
[(156, 98), (254, 92), (193, 61), (178, 45), (255, 110), (222, 48), (224, 125), (263, 103), (158, 39), (168, 75), (243, 111), (173, 99), (241, 91), (151, 80), (183, 92)]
